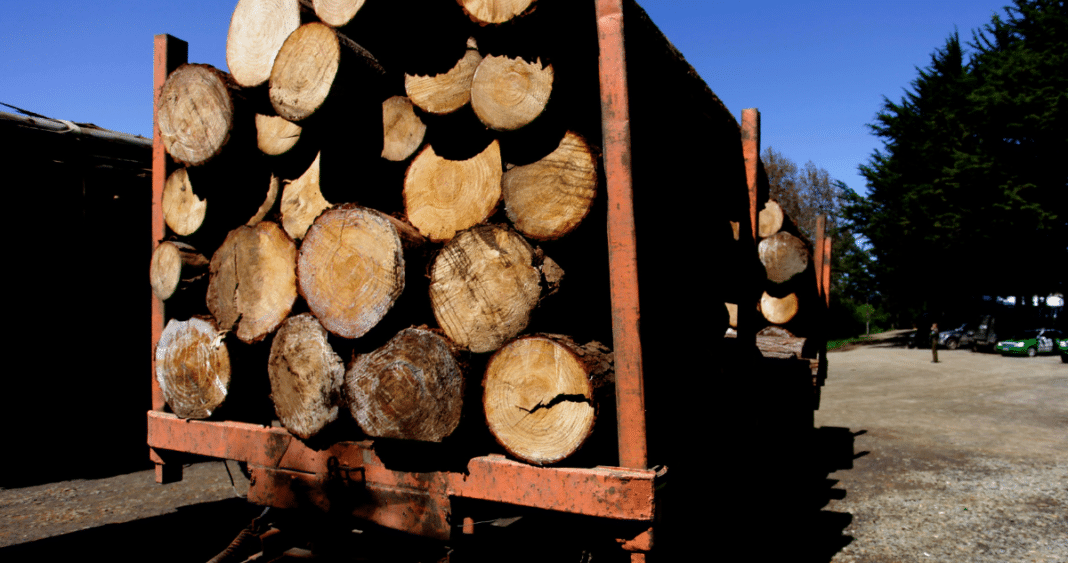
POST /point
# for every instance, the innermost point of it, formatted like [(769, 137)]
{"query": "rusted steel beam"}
[(622, 247), (817, 253), (751, 153), (827, 269)]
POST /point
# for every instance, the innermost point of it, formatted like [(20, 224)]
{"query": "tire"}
[(1031, 352)]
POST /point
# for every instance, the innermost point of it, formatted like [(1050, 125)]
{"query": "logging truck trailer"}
[(682, 186)]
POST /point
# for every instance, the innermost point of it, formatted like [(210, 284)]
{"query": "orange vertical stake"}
[(817, 253), (827, 268), (751, 153)]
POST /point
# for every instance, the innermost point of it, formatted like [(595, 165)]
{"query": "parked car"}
[(963, 335), (1062, 348), (1030, 342)]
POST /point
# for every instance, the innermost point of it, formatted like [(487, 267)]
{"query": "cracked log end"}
[(538, 399), (306, 376), (192, 367)]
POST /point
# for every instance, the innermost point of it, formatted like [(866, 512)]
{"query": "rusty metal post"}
[(827, 269), (751, 153), (168, 53), (622, 250), (817, 253)]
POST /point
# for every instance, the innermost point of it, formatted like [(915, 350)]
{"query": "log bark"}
[(316, 65), (508, 93), (252, 284), (183, 210), (411, 389), (200, 112), (442, 197), (770, 220), (549, 198), (351, 269), (337, 13), (483, 286), (306, 376), (302, 202), (779, 310), (447, 92), (487, 12), (403, 129), (174, 266), (539, 396), (193, 367), (784, 256), (257, 30)]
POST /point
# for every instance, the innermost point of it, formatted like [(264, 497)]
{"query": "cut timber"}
[(336, 12), (302, 202), (494, 11), (442, 197), (403, 129), (549, 198), (183, 211), (253, 281), (411, 388), (276, 135), (268, 203), (508, 93), (770, 220), (783, 256), (196, 113), (306, 376), (257, 30), (778, 310), (483, 286), (351, 269), (732, 312), (538, 398), (193, 367), (444, 93), (174, 265), (317, 64)]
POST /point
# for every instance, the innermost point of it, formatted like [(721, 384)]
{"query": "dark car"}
[(963, 335)]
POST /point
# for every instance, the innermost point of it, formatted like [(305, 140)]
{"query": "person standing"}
[(934, 342)]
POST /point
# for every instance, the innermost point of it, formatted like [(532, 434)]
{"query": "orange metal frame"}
[(286, 473)]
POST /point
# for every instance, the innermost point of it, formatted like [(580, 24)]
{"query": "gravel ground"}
[(963, 460)]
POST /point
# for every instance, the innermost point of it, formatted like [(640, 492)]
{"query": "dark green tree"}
[(967, 196)]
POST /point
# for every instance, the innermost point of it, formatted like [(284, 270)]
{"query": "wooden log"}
[(770, 220), (487, 12), (549, 198), (337, 13), (779, 310), (193, 367), (183, 211), (317, 65), (442, 197), (275, 135), (174, 266), (732, 315), (201, 112), (403, 129), (447, 92), (411, 389), (252, 284), (302, 202), (350, 269), (483, 286), (783, 256), (306, 376), (257, 30), (268, 204), (508, 93), (538, 396)]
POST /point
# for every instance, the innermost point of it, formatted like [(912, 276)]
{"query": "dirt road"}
[(963, 460)]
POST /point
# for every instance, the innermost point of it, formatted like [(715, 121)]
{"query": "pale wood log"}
[(302, 202), (317, 64), (549, 198), (183, 210), (732, 312), (252, 284), (538, 396), (275, 135), (306, 376), (735, 227), (268, 204), (412, 388), (447, 92), (495, 11), (337, 13), (779, 310), (442, 197), (199, 113), (193, 367), (403, 129), (783, 256), (351, 269), (175, 265), (483, 286), (508, 93), (770, 219), (257, 30)]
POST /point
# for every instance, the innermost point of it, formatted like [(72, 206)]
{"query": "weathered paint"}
[(817, 253), (751, 153), (827, 269)]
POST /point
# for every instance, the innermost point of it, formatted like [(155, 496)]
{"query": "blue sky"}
[(816, 70)]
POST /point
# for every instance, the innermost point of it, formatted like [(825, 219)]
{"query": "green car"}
[(1062, 347), (1031, 343)]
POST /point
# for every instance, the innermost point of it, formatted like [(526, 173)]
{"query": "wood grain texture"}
[(783, 256), (779, 310), (337, 12), (494, 11), (547, 199), (442, 197), (196, 113), (175, 264), (193, 367), (508, 93), (257, 30), (183, 210), (770, 219), (276, 135), (302, 202), (306, 376), (403, 129), (447, 92)]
